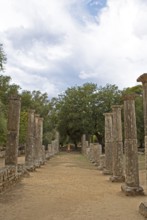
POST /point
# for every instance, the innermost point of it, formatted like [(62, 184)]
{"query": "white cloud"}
[(52, 44)]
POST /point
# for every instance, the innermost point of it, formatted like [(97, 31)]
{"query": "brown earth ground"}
[(68, 187)]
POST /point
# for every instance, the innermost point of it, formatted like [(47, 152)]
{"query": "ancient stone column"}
[(13, 130), (37, 141), (143, 78), (118, 174), (83, 140), (131, 186), (108, 144), (50, 149), (43, 156), (29, 151), (40, 148), (102, 162), (57, 141), (96, 153), (92, 153)]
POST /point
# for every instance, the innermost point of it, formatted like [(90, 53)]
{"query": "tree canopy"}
[(81, 110)]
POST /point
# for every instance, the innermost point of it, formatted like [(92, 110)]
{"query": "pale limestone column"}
[(50, 149), (131, 186), (118, 173), (55, 146), (143, 78), (91, 153), (13, 130), (83, 140), (43, 154), (29, 151), (37, 141), (97, 150), (108, 144), (102, 162), (87, 149), (47, 152), (57, 138), (41, 149)]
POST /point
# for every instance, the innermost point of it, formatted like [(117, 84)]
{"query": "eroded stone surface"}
[(13, 130), (29, 151), (108, 144), (143, 209), (118, 172), (131, 186)]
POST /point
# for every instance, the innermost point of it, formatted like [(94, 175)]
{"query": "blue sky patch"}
[(87, 9), (94, 6)]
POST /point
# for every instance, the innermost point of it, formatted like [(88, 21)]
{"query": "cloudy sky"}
[(55, 44)]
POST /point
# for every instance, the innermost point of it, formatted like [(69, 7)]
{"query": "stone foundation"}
[(132, 191), (8, 177), (107, 172), (117, 179)]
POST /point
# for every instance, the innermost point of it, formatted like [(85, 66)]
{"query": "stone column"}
[(29, 151), (40, 137), (118, 174), (131, 186), (92, 153), (50, 149), (97, 153), (13, 130), (108, 144), (83, 140), (43, 159), (37, 141), (57, 141), (102, 162), (143, 78)]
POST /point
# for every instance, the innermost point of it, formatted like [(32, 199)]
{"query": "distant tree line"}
[(79, 110)]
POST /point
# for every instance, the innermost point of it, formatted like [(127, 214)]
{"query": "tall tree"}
[(81, 110), (105, 97), (7, 89)]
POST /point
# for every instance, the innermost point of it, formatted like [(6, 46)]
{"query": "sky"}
[(52, 45)]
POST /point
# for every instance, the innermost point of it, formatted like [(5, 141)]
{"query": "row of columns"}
[(35, 154), (121, 171), (143, 78), (114, 147)]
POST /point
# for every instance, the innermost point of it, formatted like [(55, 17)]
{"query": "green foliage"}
[(104, 98), (81, 110), (7, 89), (45, 108), (75, 115)]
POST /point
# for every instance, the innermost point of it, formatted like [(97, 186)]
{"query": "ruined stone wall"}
[(8, 177)]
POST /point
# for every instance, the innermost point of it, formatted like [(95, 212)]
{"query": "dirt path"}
[(68, 187)]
